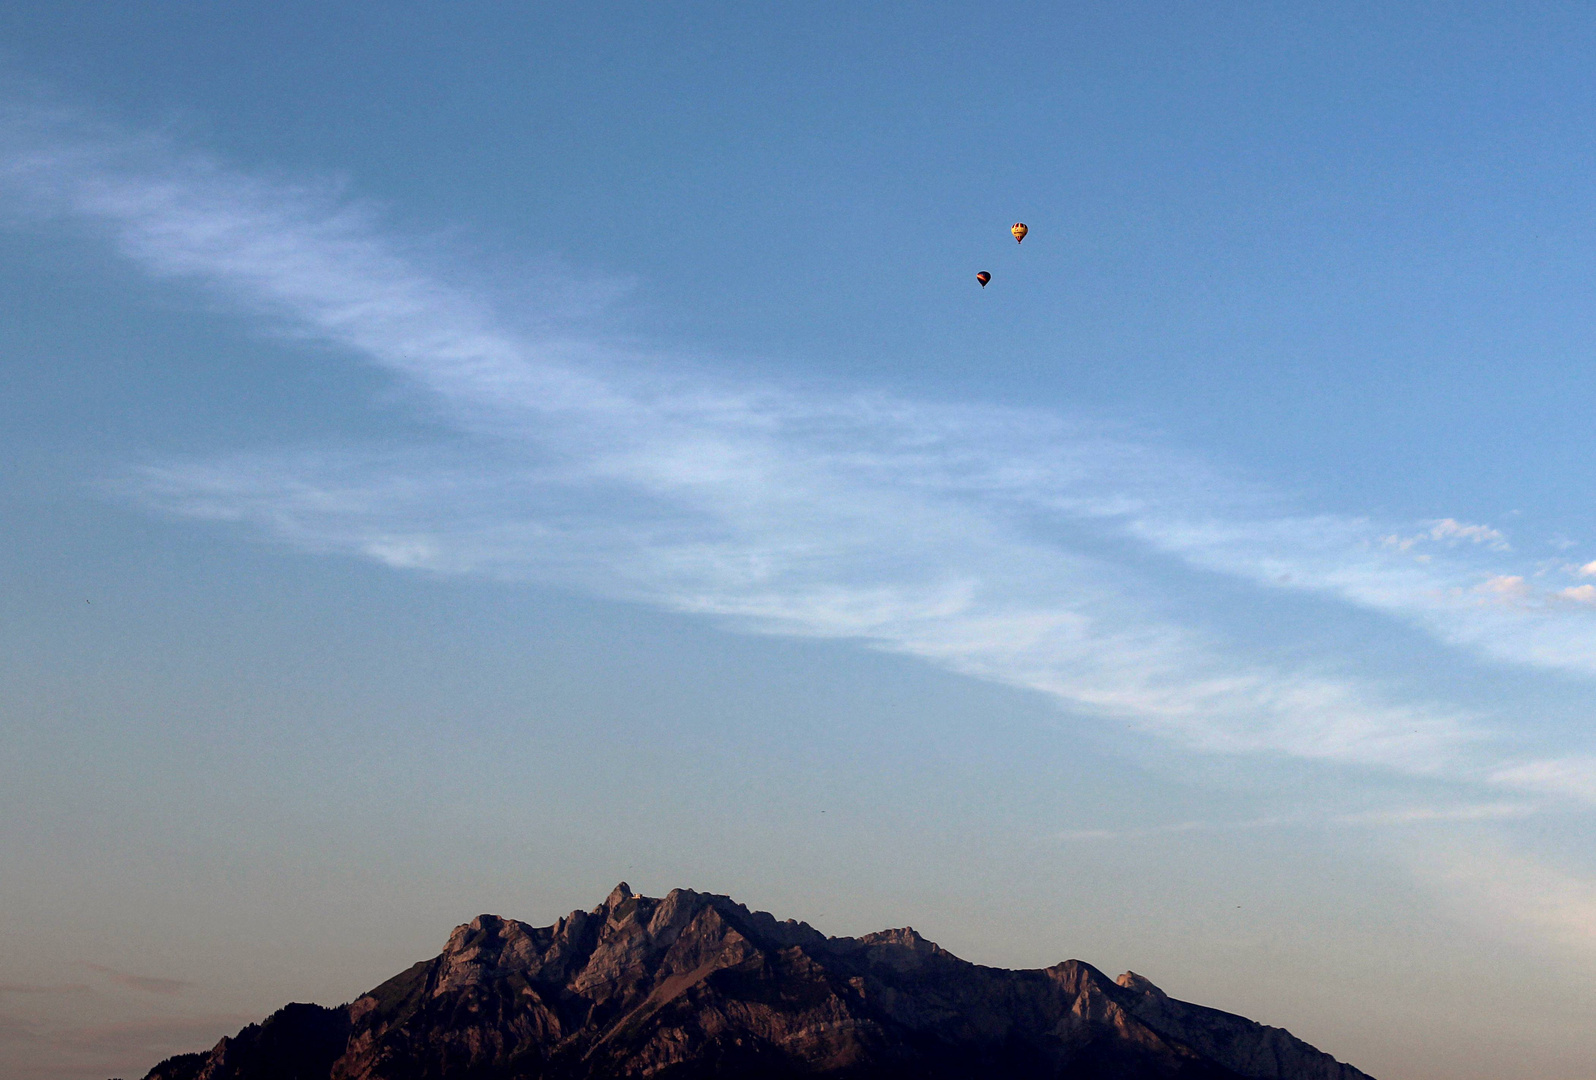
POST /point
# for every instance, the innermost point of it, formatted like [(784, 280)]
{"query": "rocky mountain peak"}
[(618, 896), (1140, 985), (694, 986), (905, 936)]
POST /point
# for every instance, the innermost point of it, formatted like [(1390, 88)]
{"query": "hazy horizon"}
[(459, 458)]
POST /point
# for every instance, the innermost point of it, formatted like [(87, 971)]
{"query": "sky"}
[(454, 458)]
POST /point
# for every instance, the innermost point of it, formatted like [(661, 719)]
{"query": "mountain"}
[(696, 986)]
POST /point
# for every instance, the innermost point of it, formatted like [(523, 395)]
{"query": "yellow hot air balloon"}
[(1019, 231), (983, 277)]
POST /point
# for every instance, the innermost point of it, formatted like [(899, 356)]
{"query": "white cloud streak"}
[(1571, 778), (953, 534), (1493, 886), (1408, 815)]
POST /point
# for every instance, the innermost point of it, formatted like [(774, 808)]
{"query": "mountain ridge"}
[(694, 985)]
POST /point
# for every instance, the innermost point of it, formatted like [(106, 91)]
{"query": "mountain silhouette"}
[(694, 986)]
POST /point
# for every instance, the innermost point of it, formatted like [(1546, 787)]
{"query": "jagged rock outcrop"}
[(694, 986)]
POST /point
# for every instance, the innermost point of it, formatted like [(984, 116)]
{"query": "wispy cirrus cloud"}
[(1495, 885), (150, 984), (1005, 544), (42, 988), (1452, 532), (984, 539), (1572, 778), (1385, 818)]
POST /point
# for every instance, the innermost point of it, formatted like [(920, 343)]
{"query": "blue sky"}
[(457, 457)]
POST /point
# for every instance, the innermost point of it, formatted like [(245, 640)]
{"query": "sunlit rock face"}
[(693, 986)]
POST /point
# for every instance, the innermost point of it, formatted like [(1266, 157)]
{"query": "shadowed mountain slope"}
[(696, 986)]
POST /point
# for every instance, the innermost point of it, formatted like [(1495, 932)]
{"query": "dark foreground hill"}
[(696, 986)]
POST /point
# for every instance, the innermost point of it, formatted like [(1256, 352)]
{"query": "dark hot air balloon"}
[(983, 277), (1019, 231)]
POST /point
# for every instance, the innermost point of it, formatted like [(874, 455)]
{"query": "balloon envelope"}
[(1019, 231), (983, 277)]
